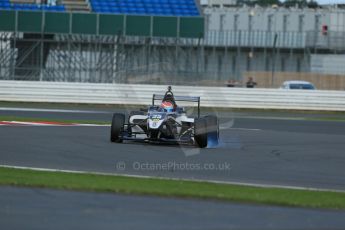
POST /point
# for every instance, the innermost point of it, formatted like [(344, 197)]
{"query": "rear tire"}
[(200, 132), (212, 129), (117, 127)]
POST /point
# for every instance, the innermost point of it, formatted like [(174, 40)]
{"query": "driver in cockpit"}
[(168, 102)]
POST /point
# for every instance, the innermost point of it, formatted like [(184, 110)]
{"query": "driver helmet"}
[(167, 106)]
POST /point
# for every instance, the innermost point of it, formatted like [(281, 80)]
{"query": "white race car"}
[(167, 123)]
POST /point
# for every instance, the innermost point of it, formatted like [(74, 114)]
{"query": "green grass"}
[(28, 119), (172, 188), (338, 119)]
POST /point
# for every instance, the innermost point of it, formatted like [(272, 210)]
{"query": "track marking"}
[(46, 123), (92, 125), (175, 179), (8, 123), (52, 110)]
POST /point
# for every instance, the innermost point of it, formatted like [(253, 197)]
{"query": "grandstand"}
[(96, 42), (143, 40), (146, 7)]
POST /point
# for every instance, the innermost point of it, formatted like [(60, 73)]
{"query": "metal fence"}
[(85, 58), (159, 60), (259, 39)]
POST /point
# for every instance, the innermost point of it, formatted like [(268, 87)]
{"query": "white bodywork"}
[(156, 122)]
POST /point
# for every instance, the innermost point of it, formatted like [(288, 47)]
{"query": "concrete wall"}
[(337, 21), (272, 19)]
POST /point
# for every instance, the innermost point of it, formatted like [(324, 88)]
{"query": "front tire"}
[(117, 127), (200, 132)]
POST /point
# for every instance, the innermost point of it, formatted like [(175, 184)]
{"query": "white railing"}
[(221, 97)]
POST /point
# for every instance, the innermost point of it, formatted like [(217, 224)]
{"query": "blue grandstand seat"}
[(146, 7)]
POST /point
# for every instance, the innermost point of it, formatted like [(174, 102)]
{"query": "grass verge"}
[(171, 188), (28, 119), (337, 119)]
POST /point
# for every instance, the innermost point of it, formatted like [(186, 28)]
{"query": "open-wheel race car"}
[(166, 123)]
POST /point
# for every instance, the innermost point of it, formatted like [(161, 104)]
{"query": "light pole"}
[(273, 57)]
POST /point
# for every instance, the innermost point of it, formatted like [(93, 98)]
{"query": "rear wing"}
[(159, 97)]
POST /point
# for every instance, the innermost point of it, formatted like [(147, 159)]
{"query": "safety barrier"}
[(220, 97)]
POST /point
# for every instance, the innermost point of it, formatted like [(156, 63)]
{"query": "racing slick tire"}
[(212, 125), (116, 127), (200, 132)]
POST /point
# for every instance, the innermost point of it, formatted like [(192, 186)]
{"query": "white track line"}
[(92, 125), (51, 110), (177, 179), (26, 123)]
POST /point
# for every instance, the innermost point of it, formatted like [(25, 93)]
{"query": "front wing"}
[(134, 137)]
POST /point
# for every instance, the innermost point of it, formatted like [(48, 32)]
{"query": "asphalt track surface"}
[(262, 151), (28, 208)]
